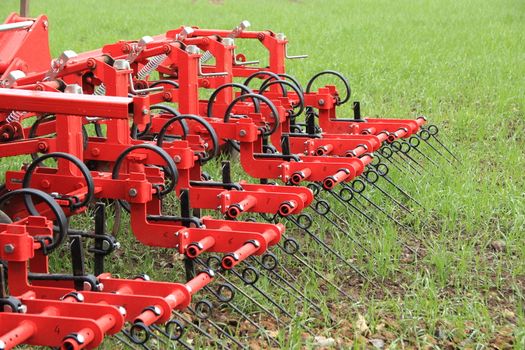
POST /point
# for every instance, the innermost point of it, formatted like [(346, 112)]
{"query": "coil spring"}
[(14, 116), (100, 90), (152, 64)]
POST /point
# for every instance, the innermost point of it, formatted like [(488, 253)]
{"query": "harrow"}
[(125, 128)]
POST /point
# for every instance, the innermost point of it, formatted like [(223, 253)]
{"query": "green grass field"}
[(460, 63)]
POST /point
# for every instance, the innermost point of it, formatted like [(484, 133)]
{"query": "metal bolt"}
[(321, 102), (242, 132), (133, 192), (121, 64), (176, 159), (73, 89), (280, 36), (22, 309), (9, 248), (122, 311), (228, 42), (145, 111), (80, 339), (106, 245), (192, 49)]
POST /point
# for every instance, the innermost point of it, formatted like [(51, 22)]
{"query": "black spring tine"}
[(244, 315), (392, 198), (394, 163), (263, 294), (200, 330), (409, 231), (445, 147), (330, 249), (406, 154), (251, 299), (397, 187), (220, 330), (403, 160), (409, 159), (161, 331), (131, 339), (424, 155), (341, 219), (302, 296), (435, 149), (339, 228), (388, 195), (349, 204), (125, 341), (379, 208), (300, 258)]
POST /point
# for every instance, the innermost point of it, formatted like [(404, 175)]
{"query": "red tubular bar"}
[(287, 208), (299, 176), (331, 181), (193, 250), (324, 150), (236, 209), (17, 335), (231, 260)]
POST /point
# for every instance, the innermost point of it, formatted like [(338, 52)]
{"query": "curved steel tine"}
[(423, 154), (404, 160), (341, 219), (131, 339), (445, 148), (383, 211), (394, 163), (330, 249), (406, 154), (220, 330), (435, 149), (124, 341), (349, 204), (384, 192), (263, 294), (301, 296), (340, 229), (397, 187), (252, 300), (301, 259), (161, 331), (200, 330), (244, 315)]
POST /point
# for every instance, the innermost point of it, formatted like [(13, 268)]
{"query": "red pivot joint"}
[(229, 261), (331, 181), (299, 176)]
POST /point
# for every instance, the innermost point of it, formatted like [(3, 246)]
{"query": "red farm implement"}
[(126, 129)]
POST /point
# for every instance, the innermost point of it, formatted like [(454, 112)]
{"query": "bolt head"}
[(122, 310), (321, 102), (9, 248), (242, 132), (228, 42), (280, 36), (244, 24), (80, 339), (73, 89), (193, 49), (121, 64), (132, 192), (145, 111)]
